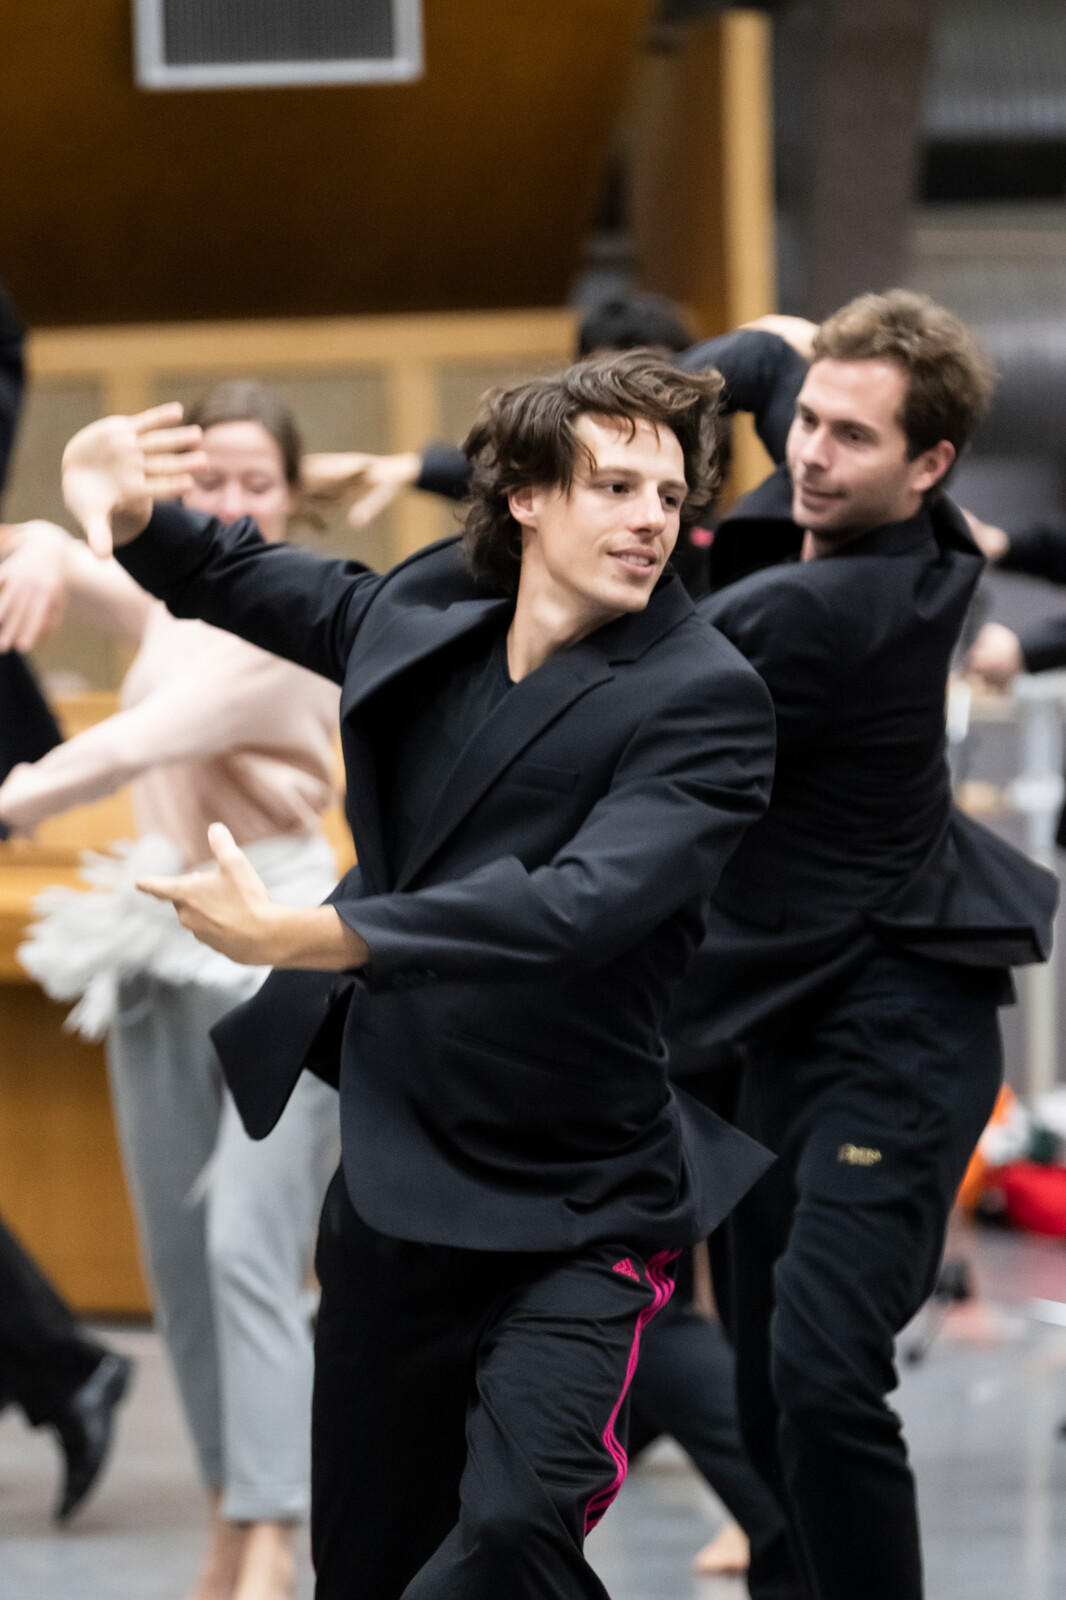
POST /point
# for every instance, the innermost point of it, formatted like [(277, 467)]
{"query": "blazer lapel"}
[(519, 717), (532, 705), (403, 639), (406, 636)]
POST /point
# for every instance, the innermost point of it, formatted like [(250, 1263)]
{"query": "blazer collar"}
[(771, 501), (406, 635), (893, 539), (533, 704)]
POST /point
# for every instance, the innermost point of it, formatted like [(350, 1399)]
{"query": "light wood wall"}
[(371, 383), (700, 141), (61, 1184)]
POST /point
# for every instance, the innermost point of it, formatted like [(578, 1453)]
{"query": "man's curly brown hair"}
[(526, 436), (949, 378)]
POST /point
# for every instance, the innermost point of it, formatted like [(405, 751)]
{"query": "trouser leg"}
[(686, 1387), (44, 1355), (885, 1102), (394, 1361), (758, 1234), (263, 1206), (166, 1086), (544, 1460), (466, 1406)]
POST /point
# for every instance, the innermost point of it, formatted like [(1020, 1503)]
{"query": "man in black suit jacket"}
[(859, 939), (550, 758)]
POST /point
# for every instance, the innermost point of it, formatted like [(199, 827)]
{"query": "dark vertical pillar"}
[(850, 86)]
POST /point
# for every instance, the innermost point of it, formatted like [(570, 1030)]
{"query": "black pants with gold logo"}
[(873, 1107)]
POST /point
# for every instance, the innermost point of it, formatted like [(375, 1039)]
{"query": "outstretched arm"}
[(119, 474), (44, 573), (231, 910), (999, 654), (229, 698), (371, 483), (368, 483), (693, 778)]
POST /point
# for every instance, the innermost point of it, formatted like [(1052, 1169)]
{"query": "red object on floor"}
[(1034, 1196)]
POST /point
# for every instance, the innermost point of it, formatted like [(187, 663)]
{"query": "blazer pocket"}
[(537, 776)]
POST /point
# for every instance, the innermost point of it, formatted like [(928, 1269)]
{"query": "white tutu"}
[(82, 942)]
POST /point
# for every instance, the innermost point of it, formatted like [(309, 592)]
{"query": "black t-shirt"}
[(427, 718)]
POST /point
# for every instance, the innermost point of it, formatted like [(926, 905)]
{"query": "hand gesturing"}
[(115, 468)]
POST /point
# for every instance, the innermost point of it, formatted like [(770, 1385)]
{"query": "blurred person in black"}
[(860, 940), (49, 1367), (55, 1373), (1037, 550)]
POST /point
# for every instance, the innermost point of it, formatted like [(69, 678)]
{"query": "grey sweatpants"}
[(227, 1229)]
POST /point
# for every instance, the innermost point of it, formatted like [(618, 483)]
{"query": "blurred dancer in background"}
[(49, 1367), (210, 728)]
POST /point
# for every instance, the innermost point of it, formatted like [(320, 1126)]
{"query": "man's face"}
[(598, 549), (847, 451)]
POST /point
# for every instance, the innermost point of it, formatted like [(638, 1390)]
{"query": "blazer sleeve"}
[(297, 604), (446, 471), (697, 771), (1043, 646), (1039, 550), (763, 374)]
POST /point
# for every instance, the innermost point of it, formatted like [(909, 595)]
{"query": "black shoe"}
[(85, 1427)]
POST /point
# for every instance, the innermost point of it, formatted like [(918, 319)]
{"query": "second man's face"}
[(847, 451), (599, 548)]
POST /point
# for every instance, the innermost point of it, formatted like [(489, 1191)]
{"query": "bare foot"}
[(222, 1563), (727, 1552), (268, 1568)]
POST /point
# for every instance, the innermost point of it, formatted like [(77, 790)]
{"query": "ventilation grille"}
[(998, 72), (206, 44)]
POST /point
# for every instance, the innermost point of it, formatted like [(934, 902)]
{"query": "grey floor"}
[(983, 1412)]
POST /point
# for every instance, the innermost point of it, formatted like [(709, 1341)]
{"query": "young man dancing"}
[(550, 758), (859, 941)]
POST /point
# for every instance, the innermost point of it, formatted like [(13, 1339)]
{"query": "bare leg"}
[(222, 1563), (268, 1568), (727, 1552)]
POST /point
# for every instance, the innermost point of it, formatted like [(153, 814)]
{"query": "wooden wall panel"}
[(372, 383), (472, 187), (701, 142)]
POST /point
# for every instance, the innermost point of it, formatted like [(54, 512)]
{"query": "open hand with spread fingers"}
[(115, 469), (368, 484)]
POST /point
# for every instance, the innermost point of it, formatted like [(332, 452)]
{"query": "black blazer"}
[(861, 842), (12, 379), (27, 728), (501, 1066)]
